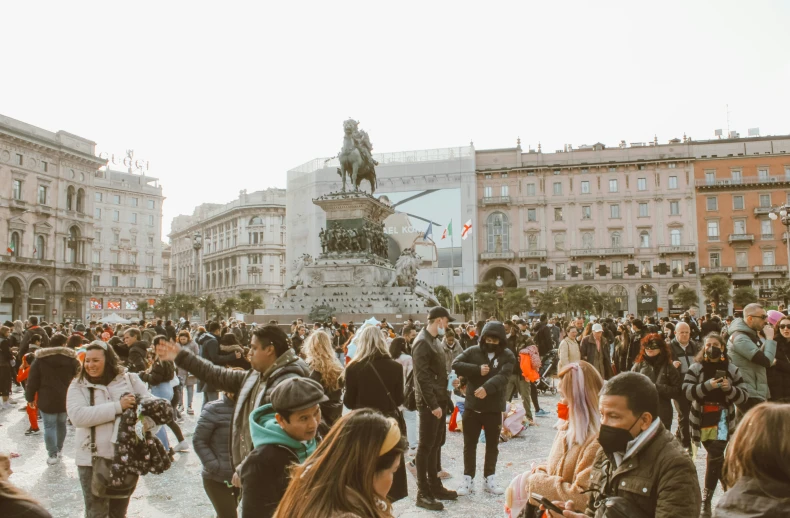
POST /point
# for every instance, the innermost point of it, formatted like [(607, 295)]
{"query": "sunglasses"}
[(762, 317), (784, 326), (652, 347)]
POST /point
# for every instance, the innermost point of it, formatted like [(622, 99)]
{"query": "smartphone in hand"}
[(545, 502)]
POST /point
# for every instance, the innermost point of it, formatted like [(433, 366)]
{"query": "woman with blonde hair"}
[(14, 501), (757, 465), (326, 370), (350, 473), (374, 380), (566, 473)]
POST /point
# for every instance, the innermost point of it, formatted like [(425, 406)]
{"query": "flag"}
[(428, 231), (448, 231), (466, 230), (11, 248), (35, 251)]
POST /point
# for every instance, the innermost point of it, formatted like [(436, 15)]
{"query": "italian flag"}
[(448, 231), (11, 248)]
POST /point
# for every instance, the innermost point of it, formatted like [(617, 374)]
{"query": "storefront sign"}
[(646, 303)]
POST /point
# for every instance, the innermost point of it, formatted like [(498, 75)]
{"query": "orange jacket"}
[(528, 370)]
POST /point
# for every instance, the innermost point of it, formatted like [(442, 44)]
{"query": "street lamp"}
[(197, 244), (500, 292), (782, 213)]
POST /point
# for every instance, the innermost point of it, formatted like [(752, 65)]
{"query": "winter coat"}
[(160, 372), (170, 332), (668, 383), (743, 348), (363, 388), (29, 332), (332, 409), (495, 382), (50, 376), (138, 357), (103, 415), (696, 388), (210, 351), (5, 353), (656, 475), (15, 508), (192, 346), (569, 353), (241, 384), (430, 371), (235, 362), (779, 372), (684, 356), (211, 439), (529, 361), (149, 333), (543, 339), (451, 353), (589, 351), (754, 498)]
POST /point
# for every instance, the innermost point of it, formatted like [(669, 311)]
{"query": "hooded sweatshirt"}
[(264, 473)]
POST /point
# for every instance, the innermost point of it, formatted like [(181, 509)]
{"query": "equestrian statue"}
[(356, 157)]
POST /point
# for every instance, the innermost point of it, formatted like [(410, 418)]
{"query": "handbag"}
[(102, 469), (397, 413)]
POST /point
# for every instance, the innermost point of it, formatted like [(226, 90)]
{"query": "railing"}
[(26, 260), (559, 276), (740, 238), (749, 180), (124, 268), (532, 254), (717, 269), (764, 268), (587, 252), (151, 269), (647, 274), (677, 274), (495, 200), (588, 276), (617, 275), (767, 236), (679, 249), (762, 210), (741, 269), (489, 256)]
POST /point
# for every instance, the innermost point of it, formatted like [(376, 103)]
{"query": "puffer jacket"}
[(495, 382), (212, 436), (50, 375), (779, 372), (742, 347), (160, 372), (668, 383), (754, 498), (656, 475), (430, 371), (104, 414)]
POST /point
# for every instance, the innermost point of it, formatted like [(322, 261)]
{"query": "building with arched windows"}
[(46, 223)]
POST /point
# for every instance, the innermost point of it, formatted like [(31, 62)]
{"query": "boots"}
[(440, 492), (707, 500), (427, 501)]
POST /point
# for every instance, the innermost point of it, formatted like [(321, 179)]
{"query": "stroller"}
[(548, 369)]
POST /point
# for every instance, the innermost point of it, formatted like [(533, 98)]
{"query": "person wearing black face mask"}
[(655, 362), (714, 386), (641, 469)]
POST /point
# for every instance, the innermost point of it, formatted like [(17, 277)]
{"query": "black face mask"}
[(614, 439), (713, 353)]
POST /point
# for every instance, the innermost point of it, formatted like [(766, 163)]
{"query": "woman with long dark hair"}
[(655, 362), (779, 372), (622, 346)]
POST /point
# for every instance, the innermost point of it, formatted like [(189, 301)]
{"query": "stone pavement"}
[(179, 491)]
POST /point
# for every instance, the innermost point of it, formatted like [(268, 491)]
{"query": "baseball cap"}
[(440, 312), (597, 327), (295, 394)]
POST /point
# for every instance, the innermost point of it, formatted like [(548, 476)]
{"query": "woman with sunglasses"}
[(779, 372), (714, 386), (655, 362)]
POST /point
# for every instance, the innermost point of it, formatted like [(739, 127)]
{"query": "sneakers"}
[(13, 401), (428, 502), (467, 486), (52, 460), (442, 493), (190, 411), (490, 486), (182, 446), (542, 413), (31, 431), (5, 406)]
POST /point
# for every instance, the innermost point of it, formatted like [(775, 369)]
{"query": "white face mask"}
[(440, 330)]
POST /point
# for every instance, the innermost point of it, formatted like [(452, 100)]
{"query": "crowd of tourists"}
[(328, 419)]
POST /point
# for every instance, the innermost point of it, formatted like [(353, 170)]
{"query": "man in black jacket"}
[(430, 386), (211, 351), (543, 336), (138, 350), (34, 329), (159, 328), (486, 368), (684, 349)]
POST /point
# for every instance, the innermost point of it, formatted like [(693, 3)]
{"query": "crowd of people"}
[(329, 419)]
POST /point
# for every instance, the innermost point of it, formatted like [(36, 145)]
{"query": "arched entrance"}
[(508, 277), (11, 300), (620, 295), (37, 300), (72, 301), (646, 300)]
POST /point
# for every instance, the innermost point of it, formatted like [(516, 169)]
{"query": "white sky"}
[(221, 96)]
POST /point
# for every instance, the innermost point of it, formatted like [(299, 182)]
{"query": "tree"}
[(143, 307), (717, 290), (249, 302), (514, 302), (210, 307), (783, 292), (550, 301), (229, 305), (486, 298), (743, 296), (604, 303), (685, 297), (444, 296), (184, 304), (579, 298), (463, 304), (164, 306)]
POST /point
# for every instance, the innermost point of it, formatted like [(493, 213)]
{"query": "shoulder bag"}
[(102, 469), (397, 414)]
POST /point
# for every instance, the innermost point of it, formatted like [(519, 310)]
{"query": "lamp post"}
[(782, 213), (197, 244), (500, 293)]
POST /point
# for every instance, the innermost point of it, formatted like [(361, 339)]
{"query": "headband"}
[(392, 438), (101, 344)]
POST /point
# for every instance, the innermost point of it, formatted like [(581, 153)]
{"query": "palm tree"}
[(783, 292), (143, 307), (210, 307), (717, 290), (463, 304), (184, 304), (444, 296), (164, 306), (743, 296), (514, 302), (486, 298), (549, 301), (685, 297), (249, 302), (229, 305)]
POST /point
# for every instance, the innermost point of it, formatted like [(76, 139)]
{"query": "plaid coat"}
[(695, 388)]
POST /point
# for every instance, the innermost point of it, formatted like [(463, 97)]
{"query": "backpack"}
[(410, 395)]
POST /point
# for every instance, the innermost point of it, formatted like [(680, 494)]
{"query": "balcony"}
[(494, 200), (646, 274), (532, 254), (559, 276), (44, 210), (679, 249), (125, 268), (716, 270), (17, 204), (150, 269), (767, 237), (497, 256), (770, 268), (24, 262), (618, 275), (602, 252), (588, 276), (737, 182), (741, 238), (762, 211)]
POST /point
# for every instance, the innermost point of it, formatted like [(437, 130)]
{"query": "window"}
[(39, 251), (646, 269), (132, 282), (498, 235), (739, 226), (672, 165), (612, 169), (762, 175), (19, 159), (151, 204), (503, 191), (641, 167), (150, 260), (617, 269), (677, 267), (737, 202), (557, 188), (713, 230), (644, 239), (97, 236), (487, 191), (559, 241), (741, 260), (134, 239), (116, 238), (530, 189), (586, 212), (673, 182), (787, 170), (42, 194), (613, 185), (557, 213), (133, 218), (641, 184), (556, 172), (585, 187), (150, 240), (16, 190), (533, 272), (614, 211), (765, 200), (736, 177), (585, 170), (503, 175), (532, 215), (674, 237), (643, 210), (615, 239), (587, 240), (715, 260), (765, 229), (132, 258), (116, 215), (45, 166), (114, 257), (522, 272), (114, 281), (116, 199), (96, 257), (149, 283), (674, 208), (712, 203), (710, 177), (133, 202), (97, 196), (13, 247), (768, 258), (588, 271), (150, 220), (96, 281)]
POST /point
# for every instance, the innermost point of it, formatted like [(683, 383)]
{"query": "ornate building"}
[(46, 204), (241, 246)]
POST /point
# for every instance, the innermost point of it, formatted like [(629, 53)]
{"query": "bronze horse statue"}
[(356, 158)]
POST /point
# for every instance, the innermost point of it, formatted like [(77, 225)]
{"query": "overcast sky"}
[(223, 96)]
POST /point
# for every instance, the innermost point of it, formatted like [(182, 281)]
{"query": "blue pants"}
[(164, 391), (54, 432)]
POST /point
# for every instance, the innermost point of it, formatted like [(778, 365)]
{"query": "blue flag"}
[(429, 231)]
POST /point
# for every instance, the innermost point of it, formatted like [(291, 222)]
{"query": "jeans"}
[(524, 390), (411, 426), (683, 433), (224, 499), (341, 356), (164, 391), (432, 431), (190, 394), (209, 396), (54, 432), (714, 463), (99, 507), (473, 423)]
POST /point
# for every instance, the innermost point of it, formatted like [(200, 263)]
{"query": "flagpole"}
[(452, 268)]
